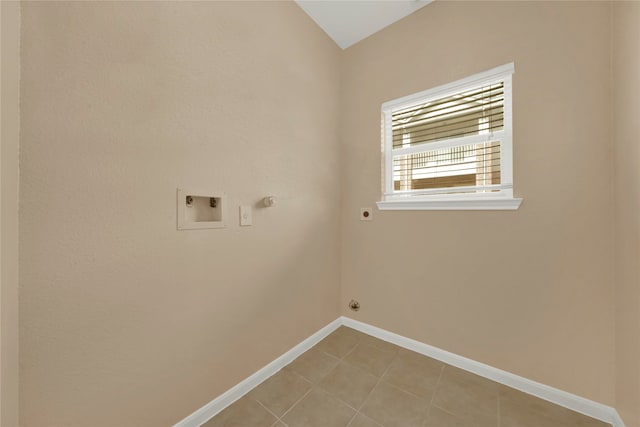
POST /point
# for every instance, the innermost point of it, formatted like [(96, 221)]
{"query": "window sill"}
[(451, 204)]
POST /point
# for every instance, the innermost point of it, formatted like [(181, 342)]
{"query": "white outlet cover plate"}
[(246, 216)]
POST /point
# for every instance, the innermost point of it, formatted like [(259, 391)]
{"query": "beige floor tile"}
[(370, 359), (349, 384), (281, 391), (362, 421), (524, 418), (468, 396), (319, 409), (519, 409), (414, 373), (439, 418), (392, 407), (378, 343), (314, 365), (401, 399), (578, 420), (245, 412), (340, 342)]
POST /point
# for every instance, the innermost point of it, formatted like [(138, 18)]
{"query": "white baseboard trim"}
[(554, 395), (212, 408), (571, 401), (617, 420)]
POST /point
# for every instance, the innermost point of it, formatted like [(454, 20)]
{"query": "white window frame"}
[(444, 199)]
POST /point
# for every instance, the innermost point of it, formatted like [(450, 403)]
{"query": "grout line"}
[(364, 402), (329, 354), (455, 414), (302, 376), (363, 415), (458, 416), (317, 384), (285, 424), (338, 399), (267, 409), (429, 401), (377, 383), (311, 383), (435, 390), (352, 418), (382, 378), (351, 351), (295, 403), (499, 417), (433, 396), (341, 360), (321, 389), (408, 392)]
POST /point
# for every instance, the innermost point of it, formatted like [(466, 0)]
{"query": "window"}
[(451, 147)]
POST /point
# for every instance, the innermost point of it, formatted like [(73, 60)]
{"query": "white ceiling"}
[(349, 21)]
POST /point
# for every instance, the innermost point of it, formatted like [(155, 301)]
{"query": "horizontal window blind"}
[(469, 165), (468, 113)]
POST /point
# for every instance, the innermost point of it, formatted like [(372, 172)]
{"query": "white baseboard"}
[(207, 412), (617, 420), (575, 403)]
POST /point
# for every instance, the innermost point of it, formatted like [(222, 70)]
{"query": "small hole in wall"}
[(354, 305)]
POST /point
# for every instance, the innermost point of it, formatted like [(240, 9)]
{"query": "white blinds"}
[(468, 113), (476, 165)]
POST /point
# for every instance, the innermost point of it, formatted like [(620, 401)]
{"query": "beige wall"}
[(626, 128), (125, 321), (124, 102), (10, 124), (530, 291)]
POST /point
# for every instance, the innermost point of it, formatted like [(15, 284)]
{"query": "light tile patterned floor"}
[(350, 379)]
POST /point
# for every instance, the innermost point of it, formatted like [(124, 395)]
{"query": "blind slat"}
[(474, 110), (418, 134), (478, 94), (470, 113)]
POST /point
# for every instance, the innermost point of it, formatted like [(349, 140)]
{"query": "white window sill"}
[(450, 204)]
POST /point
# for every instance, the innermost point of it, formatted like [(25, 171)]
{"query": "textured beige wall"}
[(125, 321), (626, 128), (10, 124), (530, 291), (123, 102)]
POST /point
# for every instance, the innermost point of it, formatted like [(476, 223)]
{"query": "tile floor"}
[(350, 379)]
